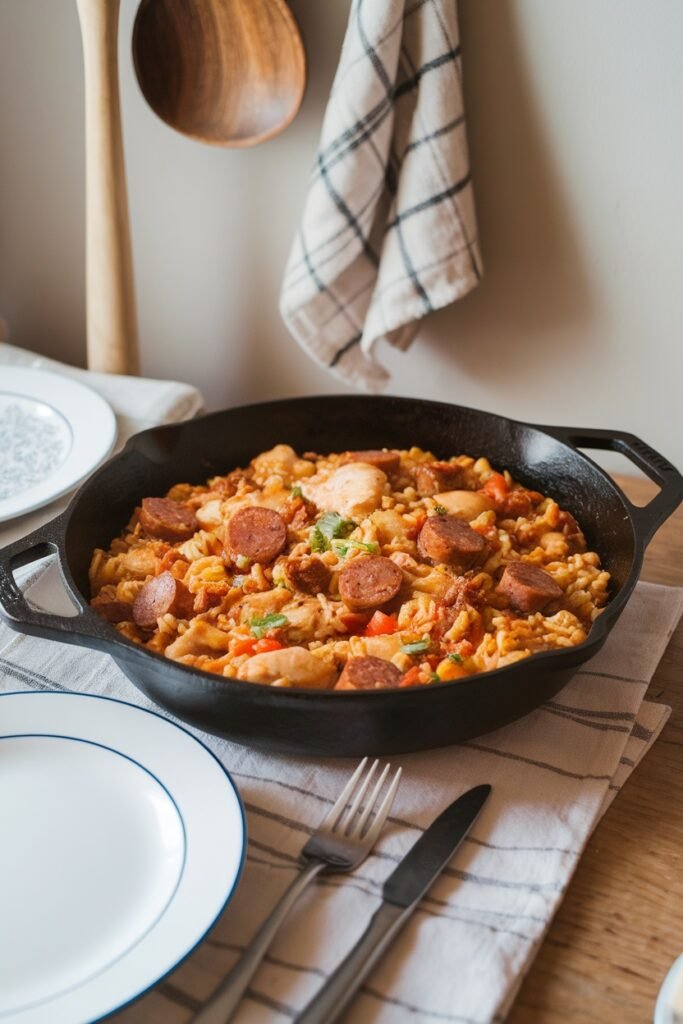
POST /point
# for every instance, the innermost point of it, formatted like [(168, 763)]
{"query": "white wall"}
[(576, 132)]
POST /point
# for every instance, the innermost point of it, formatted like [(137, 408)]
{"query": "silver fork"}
[(342, 841)]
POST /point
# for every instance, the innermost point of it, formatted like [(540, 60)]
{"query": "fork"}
[(342, 841)]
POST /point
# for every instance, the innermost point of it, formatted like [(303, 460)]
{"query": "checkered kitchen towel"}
[(388, 230)]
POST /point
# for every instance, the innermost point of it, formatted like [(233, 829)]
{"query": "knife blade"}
[(402, 891)]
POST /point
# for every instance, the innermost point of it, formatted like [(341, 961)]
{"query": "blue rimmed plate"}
[(123, 839)]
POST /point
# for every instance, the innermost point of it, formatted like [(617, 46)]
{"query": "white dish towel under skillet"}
[(388, 231), (464, 952)]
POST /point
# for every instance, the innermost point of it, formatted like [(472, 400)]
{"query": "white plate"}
[(53, 432), (123, 838)]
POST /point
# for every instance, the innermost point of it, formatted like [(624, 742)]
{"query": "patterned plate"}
[(53, 432)]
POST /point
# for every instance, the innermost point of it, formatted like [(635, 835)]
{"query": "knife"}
[(402, 891)]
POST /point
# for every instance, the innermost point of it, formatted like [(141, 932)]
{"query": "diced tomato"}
[(496, 488), (433, 660), (245, 646), (411, 677), (381, 624), (420, 520), (355, 622), (267, 643)]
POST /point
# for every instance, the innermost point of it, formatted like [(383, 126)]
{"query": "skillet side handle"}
[(83, 628), (650, 517)]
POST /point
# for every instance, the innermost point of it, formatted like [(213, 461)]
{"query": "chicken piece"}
[(354, 490), (200, 638), (294, 665), (466, 505), (283, 461), (209, 514)]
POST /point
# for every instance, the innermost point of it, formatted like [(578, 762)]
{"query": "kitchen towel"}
[(388, 231), (138, 403), (464, 952)]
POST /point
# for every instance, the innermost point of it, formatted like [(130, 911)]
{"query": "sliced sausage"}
[(445, 539), (257, 533), (111, 610), (159, 596), (434, 477), (368, 673), (381, 458), (369, 582), (309, 574), (167, 519), (528, 587)]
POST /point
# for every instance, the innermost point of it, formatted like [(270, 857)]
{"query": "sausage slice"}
[(167, 519), (445, 539), (387, 461), (368, 673), (433, 477), (528, 587), (257, 533), (110, 609), (160, 595), (309, 574), (369, 582)]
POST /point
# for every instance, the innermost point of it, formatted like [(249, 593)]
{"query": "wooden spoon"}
[(111, 316), (225, 72)]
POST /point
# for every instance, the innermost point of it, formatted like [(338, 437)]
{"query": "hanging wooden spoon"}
[(225, 72), (110, 293)]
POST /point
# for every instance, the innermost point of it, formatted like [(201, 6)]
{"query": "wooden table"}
[(621, 923)]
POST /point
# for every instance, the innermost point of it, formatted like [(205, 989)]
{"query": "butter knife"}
[(402, 891)]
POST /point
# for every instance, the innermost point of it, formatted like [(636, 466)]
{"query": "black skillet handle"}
[(83, 628), (649, 518)]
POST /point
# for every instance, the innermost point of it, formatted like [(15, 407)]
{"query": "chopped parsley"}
[(440, 510), (457, 658), (434, 677), (342, 547), (297, 492), (273, 621), (328, 527), (418, 647)]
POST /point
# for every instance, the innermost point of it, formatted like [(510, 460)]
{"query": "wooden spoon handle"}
[(111, 316)]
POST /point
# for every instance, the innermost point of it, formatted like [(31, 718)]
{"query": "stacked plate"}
[(123, 838)]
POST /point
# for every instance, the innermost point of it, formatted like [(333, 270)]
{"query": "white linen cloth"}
[(388, 231), (464, 953), (137, 402)]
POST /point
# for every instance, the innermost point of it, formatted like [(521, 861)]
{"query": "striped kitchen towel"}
[(388, 231), (464, 952)]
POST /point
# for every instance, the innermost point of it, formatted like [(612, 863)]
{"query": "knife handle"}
[(342, 985)]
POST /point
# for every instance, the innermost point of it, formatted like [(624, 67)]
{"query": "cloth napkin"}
[(464, 952), (388, 231), (138, 403)]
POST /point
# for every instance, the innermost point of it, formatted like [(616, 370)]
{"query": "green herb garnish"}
[(273, 621), (342, 547), (434, 677), (297, 492), (440, 510), (418, 647), (328, 527), (457, 658)]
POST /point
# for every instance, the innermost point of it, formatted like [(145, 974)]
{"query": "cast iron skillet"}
[(321, 722)]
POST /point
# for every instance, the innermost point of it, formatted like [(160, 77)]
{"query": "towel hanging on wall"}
[(388, 231)]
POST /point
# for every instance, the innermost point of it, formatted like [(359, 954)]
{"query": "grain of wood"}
[(110, 292), (224, 72), (618, 928)]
